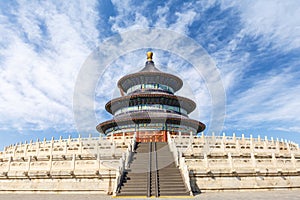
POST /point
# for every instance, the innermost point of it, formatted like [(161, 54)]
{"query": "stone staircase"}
[(153, 173)]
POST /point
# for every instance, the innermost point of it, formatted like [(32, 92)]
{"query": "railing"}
[(180, 161), (36, 146), (173, 149), (130, 151), (124, 164), (119, 176), (186, 175), (156, 170), (149, 171)]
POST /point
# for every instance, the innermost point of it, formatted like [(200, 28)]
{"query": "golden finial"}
[(149, 55)]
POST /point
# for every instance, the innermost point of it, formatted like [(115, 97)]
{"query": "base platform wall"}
[(95, 185), (201, 184)]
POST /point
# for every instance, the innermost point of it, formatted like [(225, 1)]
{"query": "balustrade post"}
[(274, 160), (294, 161), (9, 163), (251, 144), (234, 137), (288, 146), (73, 163), (37, 147), (253, 159), (28, 164), (230, 162), (206, 162), (277, 145)]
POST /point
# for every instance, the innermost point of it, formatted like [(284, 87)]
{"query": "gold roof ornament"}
[(149, 55)]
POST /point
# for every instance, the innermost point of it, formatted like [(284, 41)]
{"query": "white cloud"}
[(44, 48), (271, 100), (277, 21), (184, 20), (258, 19), (41, 53), (128, 16)]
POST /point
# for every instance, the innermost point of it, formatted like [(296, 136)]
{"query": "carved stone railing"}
[(180, 161), (119, 175), (185, 172), (173, 149), (124, 164)]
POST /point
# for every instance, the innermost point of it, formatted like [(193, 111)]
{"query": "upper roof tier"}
[(149, 75)]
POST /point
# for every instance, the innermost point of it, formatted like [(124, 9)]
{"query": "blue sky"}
[(44, 44)]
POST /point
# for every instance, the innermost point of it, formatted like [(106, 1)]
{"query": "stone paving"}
[(251, 195), (242, 195)]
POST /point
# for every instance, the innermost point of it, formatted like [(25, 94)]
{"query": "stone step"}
[(141, 164), (132, 193), (173, 181), (162, 167), (137, 180), (171, 171), (130, 177), (134, 185), (178, 190), (167, 157), (131, 189), (140, 159), (169, 176), (169, 184), (137, 174), (174, 193)]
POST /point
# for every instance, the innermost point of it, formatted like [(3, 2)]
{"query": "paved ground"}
[(241, 195), (251, 195)]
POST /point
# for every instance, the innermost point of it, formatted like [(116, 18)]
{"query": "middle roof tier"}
[(139, 99)]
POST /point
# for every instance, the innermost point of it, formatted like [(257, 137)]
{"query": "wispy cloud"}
[(225, 33), (273, 99), (255, 45), (43, 47), (265, 87), (277, 21)]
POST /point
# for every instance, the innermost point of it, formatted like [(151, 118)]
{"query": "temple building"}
[(150, 148), (149, 108)]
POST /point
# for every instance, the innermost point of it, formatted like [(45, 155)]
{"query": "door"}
[(152, 136)]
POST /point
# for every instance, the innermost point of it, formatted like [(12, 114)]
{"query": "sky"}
[(45, 46)]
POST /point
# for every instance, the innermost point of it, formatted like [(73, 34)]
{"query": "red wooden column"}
[(165, 136)]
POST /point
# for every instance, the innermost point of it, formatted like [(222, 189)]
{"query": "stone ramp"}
[(153, 173)]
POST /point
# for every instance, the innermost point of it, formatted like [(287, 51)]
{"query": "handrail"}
[(119, 176), (124, 163), (156, 170), (185, 172), (180, 161), (149, 171), (173, 149)]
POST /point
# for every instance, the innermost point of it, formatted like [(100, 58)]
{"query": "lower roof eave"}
[(102, 127)]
